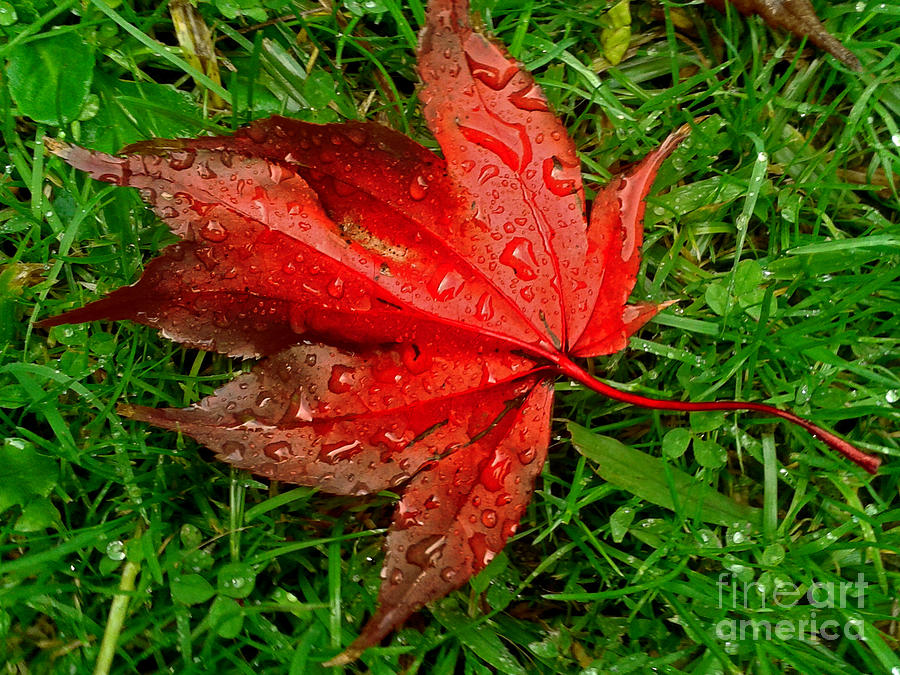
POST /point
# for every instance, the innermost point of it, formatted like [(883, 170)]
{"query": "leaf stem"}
[(868, 462)]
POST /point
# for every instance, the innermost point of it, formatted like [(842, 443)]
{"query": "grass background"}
[(775, 226)]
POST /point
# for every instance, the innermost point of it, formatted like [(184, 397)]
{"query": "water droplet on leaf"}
[(426, 552), (519, 255)]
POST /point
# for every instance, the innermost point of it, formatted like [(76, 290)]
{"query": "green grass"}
[(775, 226)]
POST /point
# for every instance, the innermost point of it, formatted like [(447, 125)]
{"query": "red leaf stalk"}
[(868, 462)]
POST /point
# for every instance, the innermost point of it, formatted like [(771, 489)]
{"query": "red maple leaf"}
[(413, 311)]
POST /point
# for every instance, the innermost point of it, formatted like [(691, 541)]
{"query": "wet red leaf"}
[(412, 311)]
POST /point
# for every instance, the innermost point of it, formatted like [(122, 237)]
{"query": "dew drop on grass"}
[(8, 14), (115, 550), (738, 535)]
